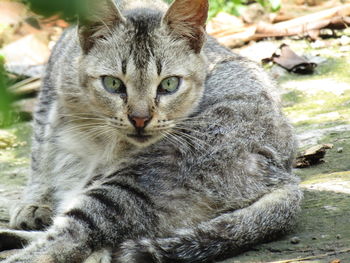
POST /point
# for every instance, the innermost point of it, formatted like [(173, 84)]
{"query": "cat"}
[(153, 143)]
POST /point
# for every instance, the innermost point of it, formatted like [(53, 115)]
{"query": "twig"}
[(334, 18), (343, 10), (313, 257), (27, 86)]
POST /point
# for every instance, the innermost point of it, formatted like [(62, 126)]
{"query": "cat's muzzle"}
[(139, 137)]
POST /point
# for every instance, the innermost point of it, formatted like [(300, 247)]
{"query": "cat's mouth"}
[(140, 137)]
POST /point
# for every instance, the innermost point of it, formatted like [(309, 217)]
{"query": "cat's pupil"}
[(169, 85), (113, 85)]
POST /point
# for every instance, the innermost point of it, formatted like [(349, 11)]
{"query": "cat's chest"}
[(94, 152)]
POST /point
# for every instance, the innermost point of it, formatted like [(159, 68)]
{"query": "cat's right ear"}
[(186, 18), (97, 22)]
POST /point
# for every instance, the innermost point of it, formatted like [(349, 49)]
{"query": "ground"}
[(319, 107)]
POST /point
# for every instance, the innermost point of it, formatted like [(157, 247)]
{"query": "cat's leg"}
[(34, 211), (16, 239), (53, 172), (223, 236), (100, 217)]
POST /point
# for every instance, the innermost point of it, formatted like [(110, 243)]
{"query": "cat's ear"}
[(187, 18), (97, 22)]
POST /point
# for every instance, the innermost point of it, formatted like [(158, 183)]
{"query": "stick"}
[(271, 31), (343, 10), (337, 17), (313, 257), (26, 86)]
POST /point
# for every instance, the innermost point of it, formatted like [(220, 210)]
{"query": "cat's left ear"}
[(187, 18), (98, 22)]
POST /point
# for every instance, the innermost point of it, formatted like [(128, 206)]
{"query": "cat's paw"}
[(31, 217), (136, 251)]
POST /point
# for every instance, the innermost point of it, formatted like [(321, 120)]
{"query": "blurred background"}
[(303, 44)]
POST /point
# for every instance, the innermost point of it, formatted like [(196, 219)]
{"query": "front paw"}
[(31, 217)]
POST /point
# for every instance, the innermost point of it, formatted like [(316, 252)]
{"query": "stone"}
[(295, 240)]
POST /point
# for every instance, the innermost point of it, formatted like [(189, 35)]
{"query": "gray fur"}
[(214, 178)]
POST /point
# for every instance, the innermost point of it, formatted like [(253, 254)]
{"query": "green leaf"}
[(6, 113), (275, 5), (67, 9), (261, 2)]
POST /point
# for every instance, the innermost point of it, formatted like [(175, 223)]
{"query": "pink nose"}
[(139, 122)]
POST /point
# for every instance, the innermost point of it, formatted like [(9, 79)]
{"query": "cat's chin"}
[(142, 139)]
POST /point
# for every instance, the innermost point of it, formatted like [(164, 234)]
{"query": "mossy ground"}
[(14, 161), (322, 100)]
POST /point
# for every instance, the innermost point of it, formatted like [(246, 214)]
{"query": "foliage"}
[(235, 7), (273, 5), (67, 9), (6, 113)]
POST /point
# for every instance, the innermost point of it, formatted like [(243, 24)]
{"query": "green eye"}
[(169, 85), (113, 85)]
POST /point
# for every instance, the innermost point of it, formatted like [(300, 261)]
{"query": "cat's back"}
[(64, 53), (239, 93), (233, 77)]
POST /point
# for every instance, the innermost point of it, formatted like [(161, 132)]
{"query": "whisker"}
[(182, 142), (194, 118), (122, 127), (189, 129), (187, 142), (75, 118), (167, 137), (200, 143), (89, 114), (198, 122), (82, 128)]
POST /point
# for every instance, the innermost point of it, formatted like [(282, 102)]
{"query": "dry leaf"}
[(312, 156), (290, 61)]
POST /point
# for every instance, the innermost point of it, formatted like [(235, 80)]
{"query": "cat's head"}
[(143, 70)]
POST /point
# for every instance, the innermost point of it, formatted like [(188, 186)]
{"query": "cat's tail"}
[(16, 239), (221, 237)]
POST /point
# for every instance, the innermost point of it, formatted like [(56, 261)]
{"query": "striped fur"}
[(213, 176)]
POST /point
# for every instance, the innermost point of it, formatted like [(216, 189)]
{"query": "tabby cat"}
[(153, 143)]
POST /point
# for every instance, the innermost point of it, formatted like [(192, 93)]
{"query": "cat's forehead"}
[(141, 26), (143, 20), (142, 47)]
